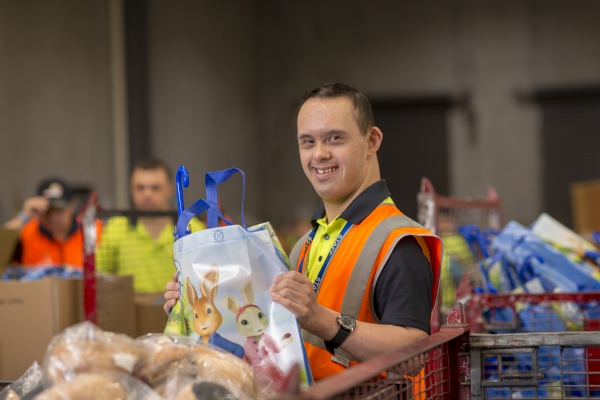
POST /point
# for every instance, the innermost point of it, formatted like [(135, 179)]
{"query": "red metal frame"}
[(447, 367), (478, 302), (89, 261), (428, 194)]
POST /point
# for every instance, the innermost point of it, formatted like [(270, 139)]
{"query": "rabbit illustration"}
[(260, 348), (207, 317)]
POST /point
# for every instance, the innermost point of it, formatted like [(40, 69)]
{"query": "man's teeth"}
[(324, 171)]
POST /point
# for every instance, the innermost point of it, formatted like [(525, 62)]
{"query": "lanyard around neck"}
[(303, 266)]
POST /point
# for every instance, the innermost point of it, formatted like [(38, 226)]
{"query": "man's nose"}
[(321, 152)]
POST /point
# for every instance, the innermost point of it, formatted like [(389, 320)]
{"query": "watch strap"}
[(337, 340)]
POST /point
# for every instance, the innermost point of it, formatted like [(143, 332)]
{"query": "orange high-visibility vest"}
[(348, 284), (39, 250)]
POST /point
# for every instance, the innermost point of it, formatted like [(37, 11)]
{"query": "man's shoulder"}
[(32, 227), (117, 226)]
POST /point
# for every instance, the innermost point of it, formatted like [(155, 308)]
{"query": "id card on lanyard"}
[(303, 267)]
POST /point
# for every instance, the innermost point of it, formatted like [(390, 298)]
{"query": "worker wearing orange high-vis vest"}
[(366, 275)]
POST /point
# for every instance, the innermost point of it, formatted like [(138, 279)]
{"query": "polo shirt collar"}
[(74, 228), (361, 206)]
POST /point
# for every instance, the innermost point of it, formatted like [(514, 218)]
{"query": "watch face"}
[(347, 322)]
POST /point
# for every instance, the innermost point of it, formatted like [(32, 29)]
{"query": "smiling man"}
[(366, 275)]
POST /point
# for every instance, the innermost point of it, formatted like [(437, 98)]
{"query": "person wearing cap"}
[(50, 233)]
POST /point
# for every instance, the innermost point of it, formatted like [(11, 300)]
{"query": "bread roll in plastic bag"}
[(174, 355), (85, 348), (184, 388), (100, 386)]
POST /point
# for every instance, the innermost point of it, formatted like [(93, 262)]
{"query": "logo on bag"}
[(180, 246), (219, 237)]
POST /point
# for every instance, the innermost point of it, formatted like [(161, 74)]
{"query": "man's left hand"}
[(295, 292)]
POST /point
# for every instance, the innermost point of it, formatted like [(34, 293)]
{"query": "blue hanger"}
[(181, 178)]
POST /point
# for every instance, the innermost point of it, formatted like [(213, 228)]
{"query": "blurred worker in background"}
[(142, 247), (50, 233)]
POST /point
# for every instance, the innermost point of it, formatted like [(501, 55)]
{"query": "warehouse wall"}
[(203, 73), (489, 50), (225, 79), (54, 96)]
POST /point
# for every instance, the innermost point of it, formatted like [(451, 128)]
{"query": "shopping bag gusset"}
[(225, 273)]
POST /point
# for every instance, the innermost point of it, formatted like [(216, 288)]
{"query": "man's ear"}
[(374, 138)]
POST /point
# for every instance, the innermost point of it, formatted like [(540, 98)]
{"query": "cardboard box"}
[(8, 242), (585, 201), (31, 313), (114, 304), (149, 313)]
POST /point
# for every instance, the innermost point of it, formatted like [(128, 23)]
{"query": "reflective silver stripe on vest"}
[(361, 272), (295, 253), (355, 291)]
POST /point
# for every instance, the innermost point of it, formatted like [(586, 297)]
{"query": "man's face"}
[(58, 221), (150, 189), (333, 150)]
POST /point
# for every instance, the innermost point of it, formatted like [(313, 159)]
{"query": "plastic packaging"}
[(24, 385), (183, 388), (100, 386), (180, 356), (85, 348)]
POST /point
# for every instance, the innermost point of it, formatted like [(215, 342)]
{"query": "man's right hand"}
[(172, 294), (35, 206)]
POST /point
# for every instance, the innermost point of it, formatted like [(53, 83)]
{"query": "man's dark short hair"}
[(362, 106), (153, 164)]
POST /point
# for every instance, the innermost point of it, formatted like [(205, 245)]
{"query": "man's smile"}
[(324, 172)]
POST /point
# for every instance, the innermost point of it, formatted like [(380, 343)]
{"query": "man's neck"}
[(335, 209), (155, 225)]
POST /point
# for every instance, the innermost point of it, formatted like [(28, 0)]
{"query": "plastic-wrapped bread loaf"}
[(180, 356), (85, 387), (85, 348), (186, 388)]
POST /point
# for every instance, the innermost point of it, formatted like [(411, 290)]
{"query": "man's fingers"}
[(302, 285), (175, 277), (171, 294), (293, 275), (290, 305), (172, 287), (168, 305)]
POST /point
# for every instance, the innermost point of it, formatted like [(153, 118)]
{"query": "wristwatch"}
[(347, 323)]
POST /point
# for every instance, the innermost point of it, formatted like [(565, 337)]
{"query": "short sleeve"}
[(403, 291), (106, 253)]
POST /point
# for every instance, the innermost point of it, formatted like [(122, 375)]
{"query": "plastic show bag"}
[(536, 258), (225, 273)]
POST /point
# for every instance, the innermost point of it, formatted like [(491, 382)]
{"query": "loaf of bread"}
[(206, 390), (85, 387), (185, 357), (85, 348)]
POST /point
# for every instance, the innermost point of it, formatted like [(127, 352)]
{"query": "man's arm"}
[(402, 302), (106, 255), (33, 207)]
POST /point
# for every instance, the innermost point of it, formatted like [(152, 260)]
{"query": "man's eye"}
[(333, 138)]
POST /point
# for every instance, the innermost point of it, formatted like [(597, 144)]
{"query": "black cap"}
[(56, 191)]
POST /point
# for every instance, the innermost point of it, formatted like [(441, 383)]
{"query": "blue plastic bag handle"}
[(212, 181), (195, 209), (182, 179)]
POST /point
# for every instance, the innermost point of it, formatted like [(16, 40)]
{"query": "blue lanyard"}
[(307, 246)]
